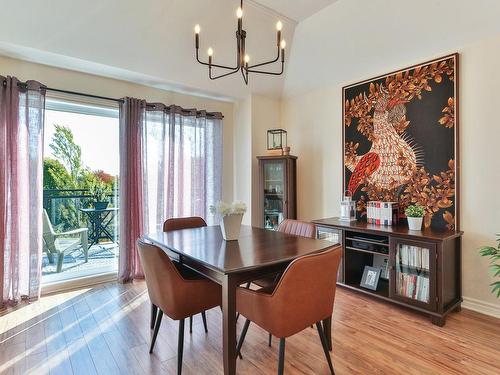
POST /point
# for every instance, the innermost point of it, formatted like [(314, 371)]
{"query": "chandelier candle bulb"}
[(283, 45), (210, 52), (239, 12), (197, 36)]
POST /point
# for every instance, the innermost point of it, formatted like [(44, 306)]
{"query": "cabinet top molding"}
[(397, 230)]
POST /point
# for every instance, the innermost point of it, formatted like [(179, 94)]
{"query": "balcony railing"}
[(66, 212)]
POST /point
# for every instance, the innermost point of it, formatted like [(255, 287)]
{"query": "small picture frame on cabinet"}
[(371, 276)]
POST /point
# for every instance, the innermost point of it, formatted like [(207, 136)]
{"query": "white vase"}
[(415, 223), (230, 226)]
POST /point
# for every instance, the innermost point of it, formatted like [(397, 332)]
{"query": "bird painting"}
[(394, 127)]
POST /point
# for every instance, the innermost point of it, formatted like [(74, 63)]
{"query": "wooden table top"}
[(255, 248)]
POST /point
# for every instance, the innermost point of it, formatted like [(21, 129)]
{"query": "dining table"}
[(257, 253)]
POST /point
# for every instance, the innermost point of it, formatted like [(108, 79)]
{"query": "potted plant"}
[(100, 195), (494, 254), (415, 215), (230, 218)]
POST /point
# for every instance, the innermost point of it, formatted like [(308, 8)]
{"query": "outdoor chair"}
[(63, 243)]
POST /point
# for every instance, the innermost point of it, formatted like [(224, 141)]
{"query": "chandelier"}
[(242, 59)]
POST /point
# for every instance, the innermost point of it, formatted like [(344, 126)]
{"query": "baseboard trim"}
[(78, 283), (482, 307)]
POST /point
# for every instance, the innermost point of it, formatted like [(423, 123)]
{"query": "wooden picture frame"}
[(371, 276), (421, 103)]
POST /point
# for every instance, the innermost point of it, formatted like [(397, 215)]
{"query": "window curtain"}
[(179, 169), (132, 124), (21, 173)]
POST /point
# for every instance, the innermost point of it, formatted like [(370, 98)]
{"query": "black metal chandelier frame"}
[(242, 58)]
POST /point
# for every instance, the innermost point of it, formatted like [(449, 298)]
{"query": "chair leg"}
[(155, 332), (191, 324), (324, 343), (242, 336), (180, 347), (247, 287), (270, 340), (281, 360), (204, 317), (154, 311)]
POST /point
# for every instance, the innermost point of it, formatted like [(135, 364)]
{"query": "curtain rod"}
[(24, 85)]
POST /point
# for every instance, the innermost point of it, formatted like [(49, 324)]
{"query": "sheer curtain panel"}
[(171, 164), (21, 142), (183, 164), (132, 118)]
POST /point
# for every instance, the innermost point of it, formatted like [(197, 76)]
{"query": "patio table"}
[(99, 223)]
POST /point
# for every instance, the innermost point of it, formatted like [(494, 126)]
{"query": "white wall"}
[(243, 155), (313, 118), (253, 117), (75, 81)]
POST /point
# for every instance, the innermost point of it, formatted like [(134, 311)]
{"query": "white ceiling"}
[(358, 39), (148, 41), (297, 10)]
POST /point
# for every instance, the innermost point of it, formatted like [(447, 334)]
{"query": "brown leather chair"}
[(174, 295), (293, 227), (177, 224), (288, 226), (303, 296)]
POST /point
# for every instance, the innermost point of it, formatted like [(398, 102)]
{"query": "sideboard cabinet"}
[(418, 269)]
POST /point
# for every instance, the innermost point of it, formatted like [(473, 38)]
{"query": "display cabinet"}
[(277, 190)]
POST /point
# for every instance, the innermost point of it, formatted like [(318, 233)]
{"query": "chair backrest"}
[(298, 228), (49, 235), (183, 223), (306, 291), (165, 283)]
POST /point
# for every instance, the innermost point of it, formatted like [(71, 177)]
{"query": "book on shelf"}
[(382, 213), (413, 286), (413, 256)]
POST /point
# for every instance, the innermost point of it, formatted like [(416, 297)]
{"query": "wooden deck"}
[(105, 330)]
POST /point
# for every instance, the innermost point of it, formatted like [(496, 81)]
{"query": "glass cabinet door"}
[(274, 194), (413, 264), (335, 236)]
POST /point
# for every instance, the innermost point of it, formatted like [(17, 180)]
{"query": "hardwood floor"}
[(105, 330)]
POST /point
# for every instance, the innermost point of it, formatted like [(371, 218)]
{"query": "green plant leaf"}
[(496, 288)]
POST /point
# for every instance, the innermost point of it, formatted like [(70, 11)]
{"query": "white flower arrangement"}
[(223, 209)]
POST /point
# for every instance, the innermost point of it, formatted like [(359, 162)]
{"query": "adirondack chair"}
[(63, 243)]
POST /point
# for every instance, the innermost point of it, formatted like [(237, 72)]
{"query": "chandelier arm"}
[(222, 75), (270, 73), (266, 63), (214, 65)]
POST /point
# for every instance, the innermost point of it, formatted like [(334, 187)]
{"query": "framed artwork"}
[(371, 276), (400, 134)]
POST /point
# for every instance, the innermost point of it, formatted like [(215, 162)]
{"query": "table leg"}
[(229, 324), (327, 327)]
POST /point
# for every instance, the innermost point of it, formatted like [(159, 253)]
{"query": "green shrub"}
[(415, 211)]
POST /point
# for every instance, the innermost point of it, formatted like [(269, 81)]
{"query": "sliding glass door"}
[(80, 196)]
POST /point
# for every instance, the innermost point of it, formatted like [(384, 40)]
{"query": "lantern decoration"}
[(276, 139), (347, 208)]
